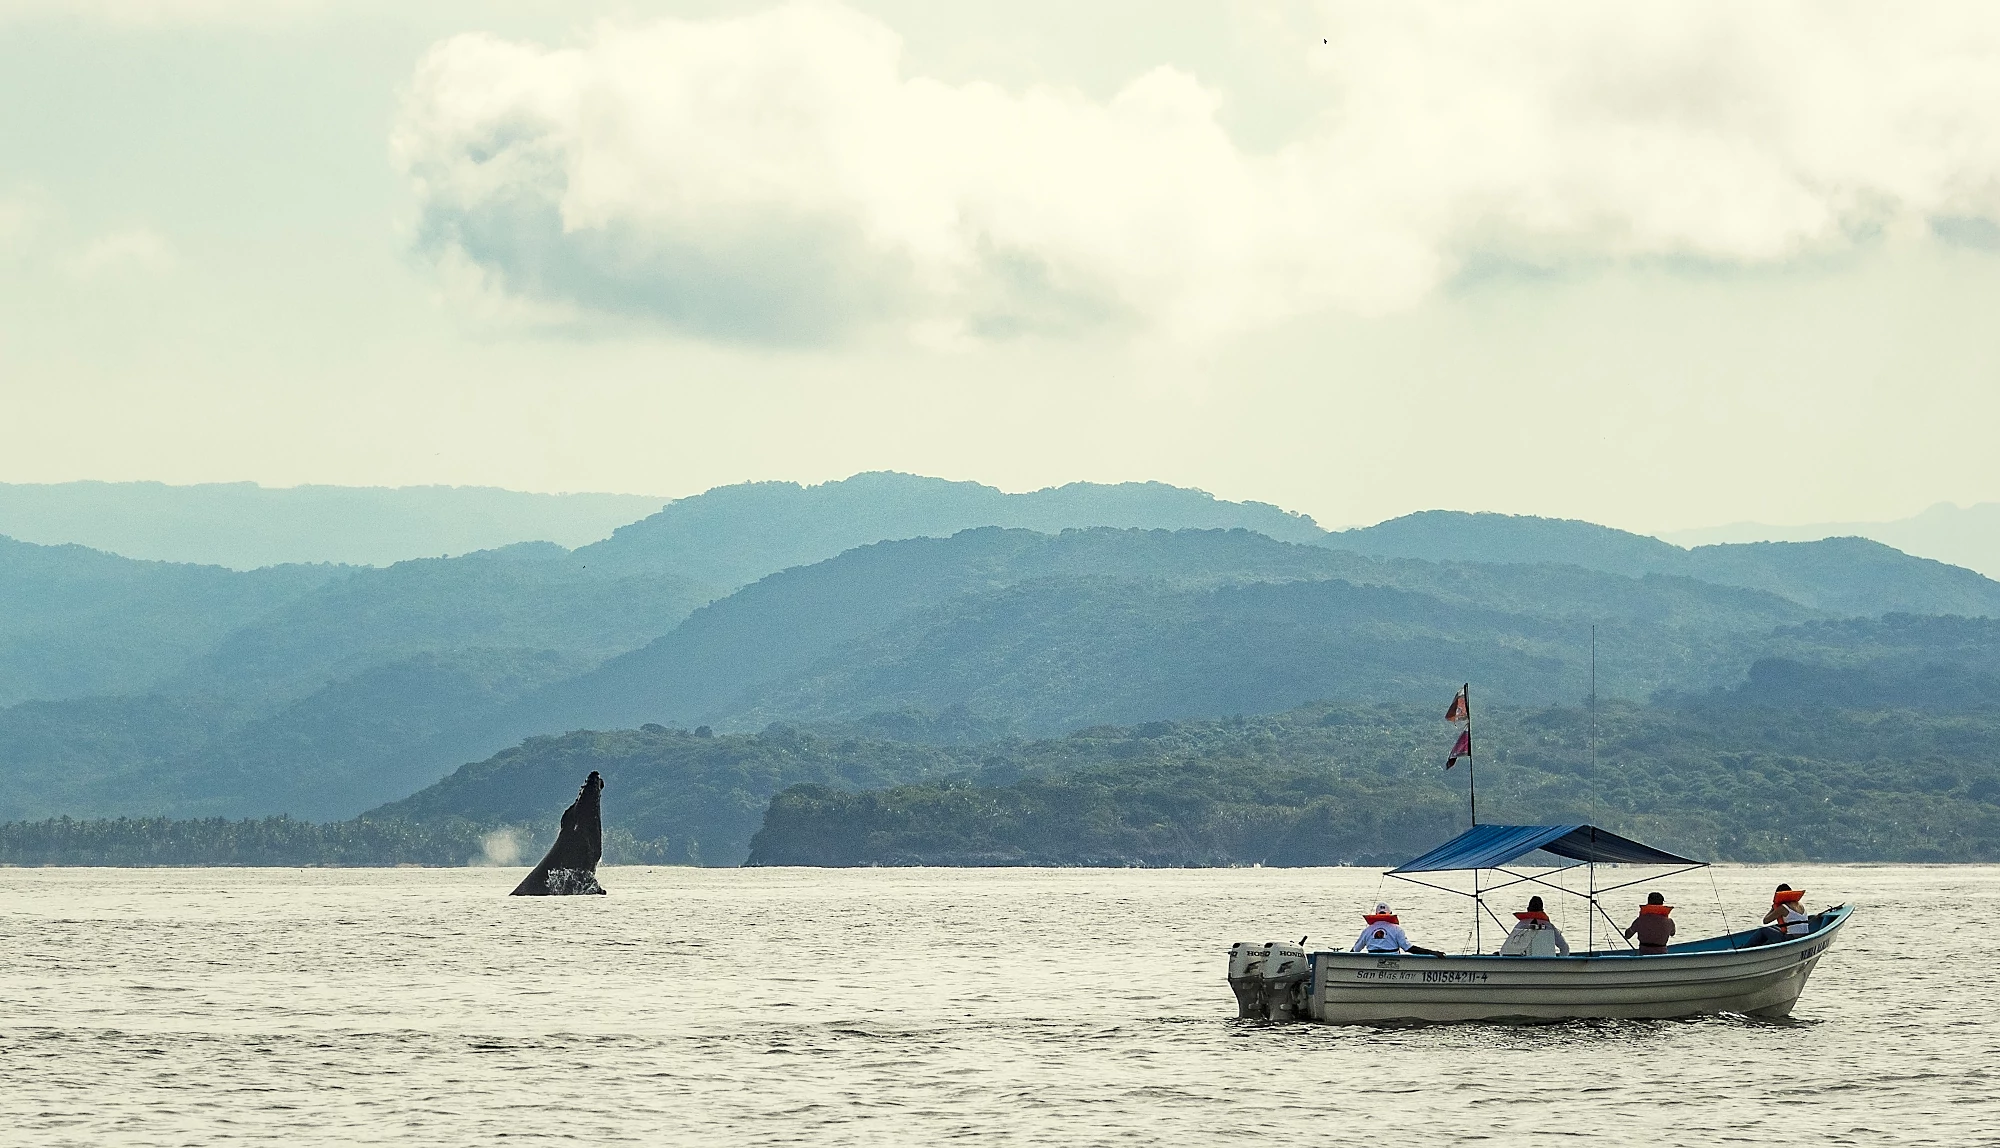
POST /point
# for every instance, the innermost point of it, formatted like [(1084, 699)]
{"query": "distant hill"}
[(1049, 656), (78, 622), (1321, 784), (733, 535), (533, 595), (894, 604), (701, 796), (244, 526), (1902, 661), (1457, 536), (1851, 576), (342, 748), (355, 687), (321, 691), (1331, 784), (1014, 630), (1967, 536)]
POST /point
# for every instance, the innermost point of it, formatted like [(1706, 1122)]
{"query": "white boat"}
[(1756, 972)]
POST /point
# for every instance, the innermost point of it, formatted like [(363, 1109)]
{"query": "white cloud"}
[(120, 253), (778, 177)]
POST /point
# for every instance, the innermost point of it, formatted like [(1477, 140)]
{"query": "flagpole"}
[(1472, 795), (1471, 781)]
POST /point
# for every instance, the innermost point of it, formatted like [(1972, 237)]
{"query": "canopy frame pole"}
[(1655, 877), (1428, 885), (1492, 914), (1607, 920), (1519, 878), (1589, 919)]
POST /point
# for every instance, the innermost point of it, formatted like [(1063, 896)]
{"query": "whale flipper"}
[(570, 866)]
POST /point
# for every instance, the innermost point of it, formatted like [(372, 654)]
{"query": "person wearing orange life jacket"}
[(1652, 926), (1384, 934), (1786, 915), (1534, 935)]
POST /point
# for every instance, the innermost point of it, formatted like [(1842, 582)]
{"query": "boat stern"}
[(1270, 980)]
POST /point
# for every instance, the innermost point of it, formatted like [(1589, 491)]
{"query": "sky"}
[(1656, 266)]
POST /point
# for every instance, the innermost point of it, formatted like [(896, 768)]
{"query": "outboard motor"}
[(1268, 979)]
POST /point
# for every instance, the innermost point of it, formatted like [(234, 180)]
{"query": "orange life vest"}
[(1380, 918), (1655, 910), (1784, 896), (1531, 916)]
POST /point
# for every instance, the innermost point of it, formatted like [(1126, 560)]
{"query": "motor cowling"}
[(1268, 979)]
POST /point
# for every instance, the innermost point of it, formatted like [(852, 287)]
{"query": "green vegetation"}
[(358, 689), (213, 841), (322, 692), (157, 841), (79, 622), (734, 535), (705, 795), (1333, 784), (1050, 631), (1836, 575), (1322, 784), (534, 596)]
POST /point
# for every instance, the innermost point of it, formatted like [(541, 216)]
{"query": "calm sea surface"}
[(921, 1006)]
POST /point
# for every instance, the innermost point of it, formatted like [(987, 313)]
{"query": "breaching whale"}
[(570, 865)]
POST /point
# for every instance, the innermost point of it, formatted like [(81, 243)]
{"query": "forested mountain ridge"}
[(245, 526), (1847, 576), (937, 599), (1364, 785), (531, 596), (323, 691), (734, 535), (1321, 784), (356, 686), (349, 745), (79, 622)]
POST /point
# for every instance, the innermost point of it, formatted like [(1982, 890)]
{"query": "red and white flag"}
[(1459, 711), (1460, 748)]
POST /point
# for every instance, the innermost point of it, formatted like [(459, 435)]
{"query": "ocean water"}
[(921, 1006)]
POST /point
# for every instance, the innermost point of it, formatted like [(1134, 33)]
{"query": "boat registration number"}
[(1427, 976)]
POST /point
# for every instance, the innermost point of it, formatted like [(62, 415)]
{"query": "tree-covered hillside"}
[(734, 535), (534, 596), (1842, 576), (1325, 785), (320, 692), (696, 797), (77, 623), (361, 686), (990, 617), (1322, 784)]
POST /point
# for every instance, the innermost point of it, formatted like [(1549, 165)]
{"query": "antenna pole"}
[(1593, 700), (1471, 781)]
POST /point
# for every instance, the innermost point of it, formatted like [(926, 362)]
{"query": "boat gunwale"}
[(1831, 921)]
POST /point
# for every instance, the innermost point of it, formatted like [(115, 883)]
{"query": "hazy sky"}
[(1658, 266)]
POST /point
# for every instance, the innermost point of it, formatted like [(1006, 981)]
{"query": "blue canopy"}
[(1490, 846)]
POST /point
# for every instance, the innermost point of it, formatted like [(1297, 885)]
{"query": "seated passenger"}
[(1534, 935), (1790, 920), (1652, 925), (1384, 934)]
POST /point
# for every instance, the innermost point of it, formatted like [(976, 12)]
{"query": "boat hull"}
[(1722, 975)]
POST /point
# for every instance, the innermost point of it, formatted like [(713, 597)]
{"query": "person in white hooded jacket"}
[(1384, 934), (1534, 935)]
